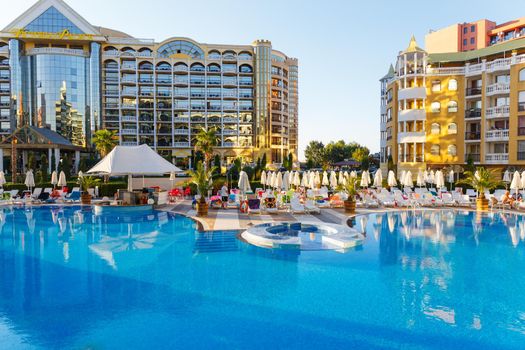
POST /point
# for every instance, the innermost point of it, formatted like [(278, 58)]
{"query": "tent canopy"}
[(133, 160)]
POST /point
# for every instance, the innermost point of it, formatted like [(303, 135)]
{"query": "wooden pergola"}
[(30, 138)]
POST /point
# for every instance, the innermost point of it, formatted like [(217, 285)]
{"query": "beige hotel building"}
[(60, 72)]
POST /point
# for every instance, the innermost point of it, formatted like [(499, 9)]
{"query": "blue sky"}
[(343, 47)]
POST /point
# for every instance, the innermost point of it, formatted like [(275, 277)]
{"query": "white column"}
[(404, 152), (77, 161), (415, 152), (57, 158), (49, 156)]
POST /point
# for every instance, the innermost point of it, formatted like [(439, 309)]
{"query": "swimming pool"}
[(428, 279)]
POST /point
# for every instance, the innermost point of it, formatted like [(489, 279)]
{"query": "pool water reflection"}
[(424, 279)]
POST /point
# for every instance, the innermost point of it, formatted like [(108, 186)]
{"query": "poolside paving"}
[(233, 219)]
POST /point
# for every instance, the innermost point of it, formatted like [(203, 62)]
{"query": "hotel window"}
[(473, 28), (435, 107), (435, 129), (465, 30), (452, 85), (464, 42), (452, 128), (436, 85), (452, 106), (522, 74), (434, 150), (452, 150), (521, 101)]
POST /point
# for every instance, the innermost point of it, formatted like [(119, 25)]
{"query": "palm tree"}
[(481, 180), (104, 141), (206, 141)]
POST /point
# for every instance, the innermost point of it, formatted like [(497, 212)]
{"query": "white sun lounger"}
[(310, 207), (296, 207)]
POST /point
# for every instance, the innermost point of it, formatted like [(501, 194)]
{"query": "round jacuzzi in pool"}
[(303, 236)]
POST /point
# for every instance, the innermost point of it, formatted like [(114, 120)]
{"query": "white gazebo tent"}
[(133, 160)]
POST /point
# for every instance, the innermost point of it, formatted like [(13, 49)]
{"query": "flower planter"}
[(85, 198), (202, 209), (482, 204), (349, 207)]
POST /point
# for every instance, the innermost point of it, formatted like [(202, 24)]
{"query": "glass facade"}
[(52, 21)]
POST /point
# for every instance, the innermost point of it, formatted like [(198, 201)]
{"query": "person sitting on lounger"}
[(507, 199)]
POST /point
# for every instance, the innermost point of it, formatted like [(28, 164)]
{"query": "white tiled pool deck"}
[(232, 219)]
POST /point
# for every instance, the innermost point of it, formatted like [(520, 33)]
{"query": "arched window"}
[(452, 150), (522, 74), (246, 68), (452, 106), (165, 66), (435, 129), (110, 64), (214, 54), (436, 85), (197, 67), (245, 55), (145, 50), (128, 49), (229, 55), (110, 49), (180, 47), (452, 85), (435, 107), (146, 66), (452, 128), (214, 67), (180, 67), (434, 150)]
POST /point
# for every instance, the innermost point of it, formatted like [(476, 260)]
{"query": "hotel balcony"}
[(497, 158), (473, 69), (181, 119), (411, 158), (473, 113), (411, 93), (128, 143), (472, 136), (181, 144), (412, 114), (227, 120), (229, 132), (497, 135), (446, 71), (181, 131), (498, 89), (474, 156), (411, 137), (129, 118), (498, 65), (497, 112), (128, 132), (473, 92)]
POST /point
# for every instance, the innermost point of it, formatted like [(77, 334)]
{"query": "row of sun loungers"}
[(39, 196)]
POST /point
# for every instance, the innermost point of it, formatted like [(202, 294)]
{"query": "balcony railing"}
[(474, 156), (473, 91), (495, 158), (181, 131), (472, 136), (497, 112), (498, 88), (496, 135), (128, 131), (181, 144), (473, 113)]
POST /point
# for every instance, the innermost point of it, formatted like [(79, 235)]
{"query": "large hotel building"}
[(460, 100), (59, 72)]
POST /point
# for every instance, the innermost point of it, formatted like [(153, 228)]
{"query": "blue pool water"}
[(69, 279)]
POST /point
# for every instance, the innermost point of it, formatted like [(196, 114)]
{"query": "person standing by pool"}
[(224, 194)]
